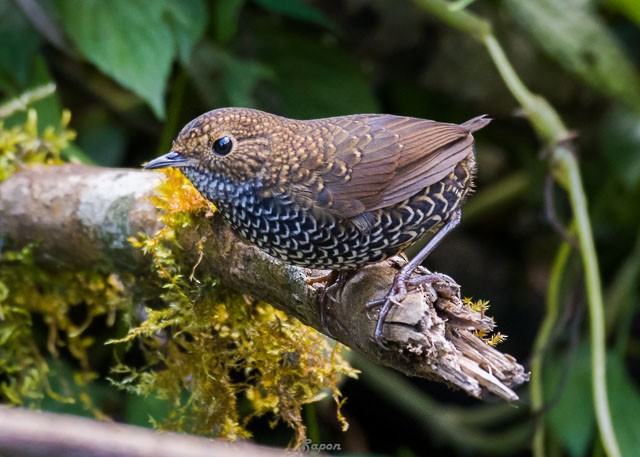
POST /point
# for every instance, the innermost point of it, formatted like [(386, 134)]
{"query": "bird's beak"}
[(170, 159)]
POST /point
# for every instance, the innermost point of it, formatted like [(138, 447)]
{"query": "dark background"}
[(165, 62)]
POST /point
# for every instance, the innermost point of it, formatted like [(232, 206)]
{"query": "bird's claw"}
[(394, 297)]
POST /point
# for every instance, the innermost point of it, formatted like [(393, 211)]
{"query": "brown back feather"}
[(381, 160)]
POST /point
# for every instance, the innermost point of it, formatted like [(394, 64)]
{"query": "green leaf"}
[(620, 143), (144, 410), (225, 18), (313, 78), (627, 7), (571, 417), (73, 153), (573, 34), (102, 142), (188, 19), (222, 78), (297, 9), (128, 40), (624, 400), (241, 79), (19, 48)]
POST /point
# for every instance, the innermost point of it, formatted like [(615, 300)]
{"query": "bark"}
[(81, 217)]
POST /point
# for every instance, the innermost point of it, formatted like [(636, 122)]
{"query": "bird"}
[(335, 193)]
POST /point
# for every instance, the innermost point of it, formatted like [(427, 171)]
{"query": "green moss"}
[(217, 357)]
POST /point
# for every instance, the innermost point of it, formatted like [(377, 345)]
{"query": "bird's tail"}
[(476, 123)]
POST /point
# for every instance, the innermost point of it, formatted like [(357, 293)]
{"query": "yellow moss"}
[(495, 339), (218, 348), (22, 144), (482, 306), (52, 297), (32, 299)]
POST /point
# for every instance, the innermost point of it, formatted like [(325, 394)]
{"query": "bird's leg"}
[(399, 288)]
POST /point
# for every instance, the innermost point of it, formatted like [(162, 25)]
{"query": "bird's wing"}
[(374, 161)]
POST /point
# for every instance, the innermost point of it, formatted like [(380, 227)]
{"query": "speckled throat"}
[(313, 239)]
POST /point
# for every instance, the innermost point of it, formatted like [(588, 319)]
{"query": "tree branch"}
[(81, 217), (26, 433)]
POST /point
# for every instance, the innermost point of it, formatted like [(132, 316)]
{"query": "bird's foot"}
[(394, 297), (399, 290), (430, 278)]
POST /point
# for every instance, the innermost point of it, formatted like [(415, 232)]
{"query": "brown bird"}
[(334, 193)]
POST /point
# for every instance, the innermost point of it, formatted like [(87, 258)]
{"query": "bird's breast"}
[(309, 237)]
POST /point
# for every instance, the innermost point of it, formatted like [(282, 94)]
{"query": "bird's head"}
[(231, 142)]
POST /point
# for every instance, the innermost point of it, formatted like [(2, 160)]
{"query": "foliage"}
[(136, 41), (582, 43)]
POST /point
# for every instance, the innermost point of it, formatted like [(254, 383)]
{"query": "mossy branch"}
[(564, 167), (82, 217)]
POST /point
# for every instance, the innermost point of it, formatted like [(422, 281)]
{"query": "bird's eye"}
[(222, 146)]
